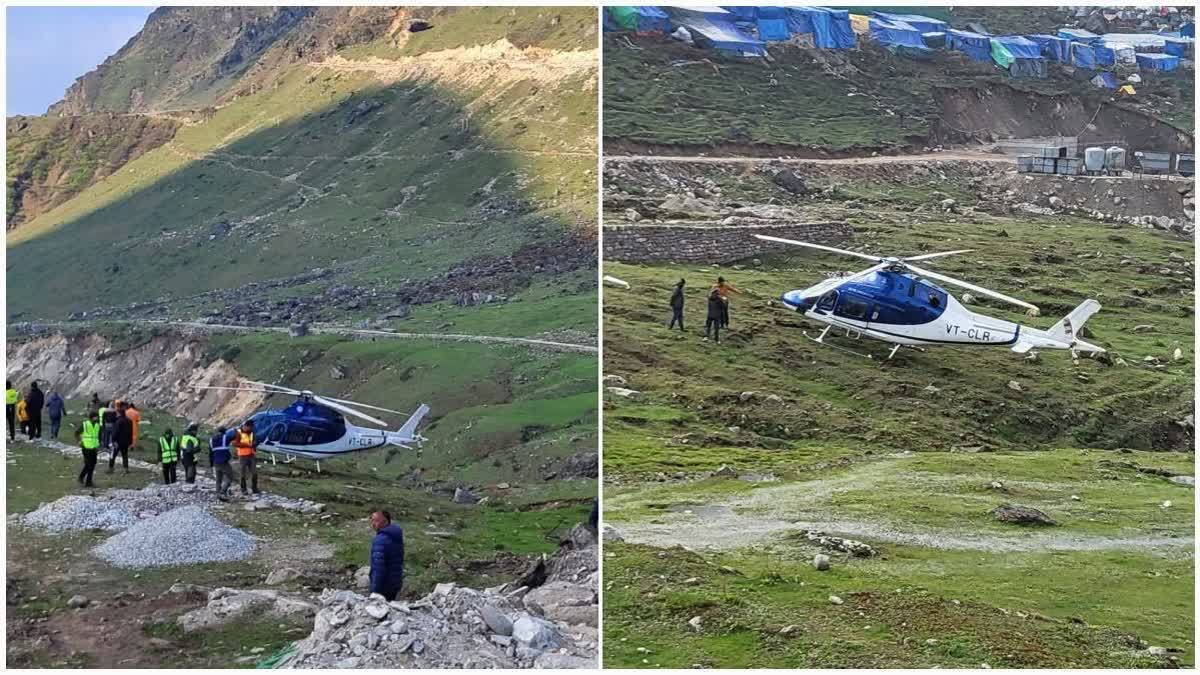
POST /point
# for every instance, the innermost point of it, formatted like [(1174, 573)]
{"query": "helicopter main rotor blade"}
[(927, 256), (972, 287), (364, 405), (857, 276), (280, 388), (257, 391), (872, 258), (347, 410)]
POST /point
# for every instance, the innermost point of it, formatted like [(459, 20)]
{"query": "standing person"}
[(387, 556), (716, 311), (89, 442), (218, 459), (10, 409), (35, 401), (135, 418), (243, 442), (108, 424), (55, 406), (23, 416), (677, 305), (94, 405), (122, 438), (168, 448), (189, 445), (725, 289)]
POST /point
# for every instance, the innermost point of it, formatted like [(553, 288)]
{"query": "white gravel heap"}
[(185, 536), (76, 512)]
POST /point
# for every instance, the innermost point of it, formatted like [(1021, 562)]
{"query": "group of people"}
[(25, 411), (718, 307)]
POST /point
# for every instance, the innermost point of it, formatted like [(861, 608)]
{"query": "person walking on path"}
[(716, 311), (677, 305), (189, 445), (243, 442), (10, 409), (108, 425), (725, 289), (89, 443), (387, 556), (121, 440), (219, 459), (55, 406), (168, 447), (35, 401)]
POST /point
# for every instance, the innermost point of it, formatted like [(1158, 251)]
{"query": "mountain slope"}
[(402, 180)]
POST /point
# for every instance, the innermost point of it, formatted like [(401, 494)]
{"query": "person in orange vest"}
[(244, 444), (135, 419)]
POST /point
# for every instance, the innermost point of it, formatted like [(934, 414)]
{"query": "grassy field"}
[(903, 455)]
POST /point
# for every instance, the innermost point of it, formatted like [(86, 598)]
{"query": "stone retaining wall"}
[(709, 243)]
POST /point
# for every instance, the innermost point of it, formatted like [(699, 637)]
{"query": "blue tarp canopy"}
[(1188, 30), (1083, 56), (715, 30), (897, 34), (1106, 80), (639, 18), (1053, 47), (974, 45), (923, 24), (1105, 56), (830, 27), (773, 30), (1181, 47), (1078, 35), (1020, 47), (934, 40), (1164, 62)]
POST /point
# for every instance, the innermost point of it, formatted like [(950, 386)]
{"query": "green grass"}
[(562, 28)]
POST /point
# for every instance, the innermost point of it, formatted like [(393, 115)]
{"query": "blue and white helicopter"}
[(893, 301), (313, 426)]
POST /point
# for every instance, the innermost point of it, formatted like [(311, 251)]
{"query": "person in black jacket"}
[(122, 438), (387, 556), (677, 305), (716, 315), (55, 406), (34, 402)]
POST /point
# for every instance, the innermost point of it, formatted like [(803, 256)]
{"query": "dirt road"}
[(958, 156)]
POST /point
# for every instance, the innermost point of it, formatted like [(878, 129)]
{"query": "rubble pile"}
[(549, 623), (185, 536)]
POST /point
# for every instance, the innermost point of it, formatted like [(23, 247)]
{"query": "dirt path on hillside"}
[(551, 345), (766, 514), (957, 156)]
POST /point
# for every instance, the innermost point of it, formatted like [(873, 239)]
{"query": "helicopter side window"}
[(299, 435), (827, 301), (276, 434), (935, 298), (853, 308)]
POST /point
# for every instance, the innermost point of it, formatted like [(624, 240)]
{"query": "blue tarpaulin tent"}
[(896, 34), (923, 24), (1053, 47), (1078, 35), (1026, 54), (1164, 62), (772, 24), (1105, 56), (1182, 47), (1188, 30), (830, 27), (1106, 80), (715, 30), (974, 45), (934, 40), (638, 18), (1083, 56)]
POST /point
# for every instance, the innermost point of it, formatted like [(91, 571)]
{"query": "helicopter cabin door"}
[(856, 308)]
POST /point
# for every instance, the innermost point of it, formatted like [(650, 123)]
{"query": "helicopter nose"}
[(793, 299)]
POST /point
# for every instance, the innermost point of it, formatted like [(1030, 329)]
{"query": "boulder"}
[(821, 562), (1021, 515), (497, 621), (464, 496), (536, 633), (282, 575), (622, 392), (788, 180)]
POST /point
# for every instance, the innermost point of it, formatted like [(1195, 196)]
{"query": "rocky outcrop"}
[(226, 604), (550, 625)]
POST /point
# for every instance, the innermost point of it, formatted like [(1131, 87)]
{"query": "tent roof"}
[(1020, 47)]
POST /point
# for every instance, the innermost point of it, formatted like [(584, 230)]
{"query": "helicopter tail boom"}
[(1067, 329), (407, 434), (1062, 335)]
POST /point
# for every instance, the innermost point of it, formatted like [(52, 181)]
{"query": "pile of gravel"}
[(184, 536), (75, 512)]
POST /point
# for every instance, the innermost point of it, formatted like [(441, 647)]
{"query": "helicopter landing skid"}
[(820, 339)]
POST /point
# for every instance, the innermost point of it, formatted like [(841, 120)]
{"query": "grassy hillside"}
[(402, 178), (908, 456)]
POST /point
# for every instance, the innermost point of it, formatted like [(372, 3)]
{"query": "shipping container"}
[(1093, 160), (1185, 165), (1114, 160)]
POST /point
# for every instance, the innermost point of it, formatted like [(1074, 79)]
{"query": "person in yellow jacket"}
[(244, 445), (23, 417), (168, 449), (89, 441), (10, 409)]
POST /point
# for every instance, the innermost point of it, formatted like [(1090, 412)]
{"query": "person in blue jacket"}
[(387, 556)]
